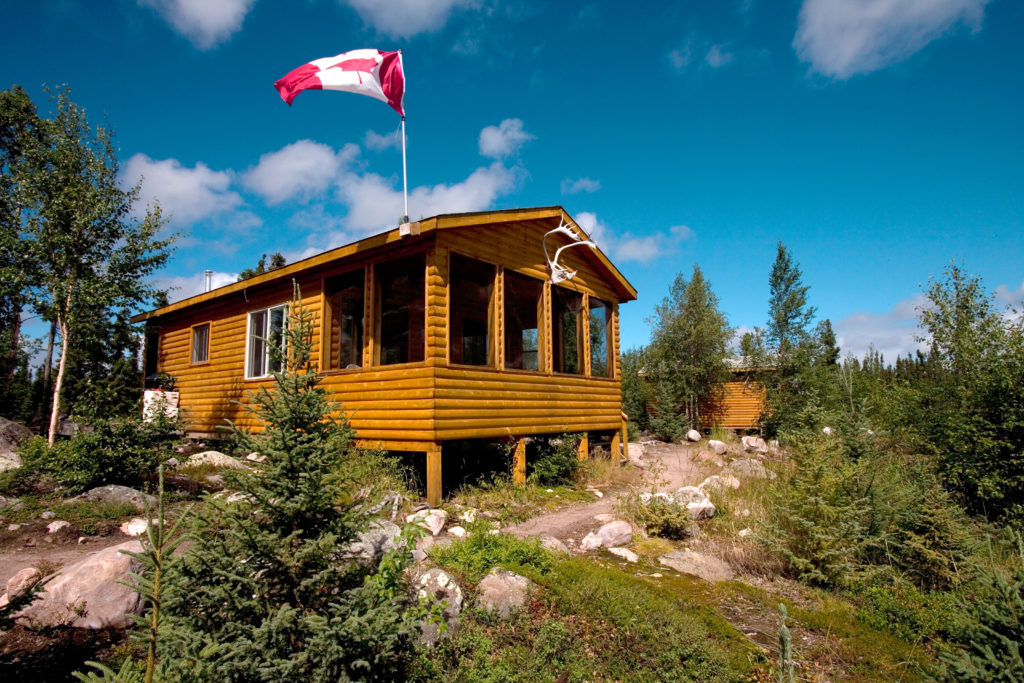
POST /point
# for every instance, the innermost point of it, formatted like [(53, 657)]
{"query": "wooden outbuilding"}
[(445, 329)]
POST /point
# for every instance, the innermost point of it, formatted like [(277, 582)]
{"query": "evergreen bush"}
[(557, 461), (264, 594)]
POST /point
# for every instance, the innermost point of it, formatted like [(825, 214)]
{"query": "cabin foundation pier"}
[(433, 454), (519, 463), (583, 448)]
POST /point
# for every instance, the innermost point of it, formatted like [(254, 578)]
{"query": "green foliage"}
[(664, 421), (634, 387), (660, 518), (688, 348), (479, 551), (262, 594), (786, 672), (114, 451), (901, 608), (557, 460), (995, 635), (277, 260), (788, 313)]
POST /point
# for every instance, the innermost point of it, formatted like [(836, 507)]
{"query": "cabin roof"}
[(623, 288)]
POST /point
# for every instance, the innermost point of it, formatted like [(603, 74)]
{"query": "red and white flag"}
[(366, 72)]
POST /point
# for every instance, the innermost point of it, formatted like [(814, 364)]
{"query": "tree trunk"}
[(15, 342), (55, 412), (48, 366)]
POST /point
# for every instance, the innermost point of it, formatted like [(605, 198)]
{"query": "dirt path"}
[(669, 466)]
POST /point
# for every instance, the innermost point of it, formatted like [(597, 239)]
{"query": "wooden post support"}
[(519, 463), (434, 475), (583, 450), (615, 455), (625, 437)]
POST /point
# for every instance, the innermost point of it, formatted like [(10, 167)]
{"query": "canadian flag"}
[(366, 72)]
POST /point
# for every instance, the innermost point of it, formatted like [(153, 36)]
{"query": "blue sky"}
[(878, 139)]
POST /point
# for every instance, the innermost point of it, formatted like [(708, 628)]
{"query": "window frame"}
[(609, 326), (543, 324), (327, 318), (192, 343), (492, 314), (581, 335), (376, 311), (249, 338)]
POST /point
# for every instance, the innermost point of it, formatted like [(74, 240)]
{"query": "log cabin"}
[(445, 329)]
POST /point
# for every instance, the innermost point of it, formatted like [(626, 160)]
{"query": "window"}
[(266, 332), (472, 301), (600, 347), (400, 307), (345, 320), (200, 343), (566, 340), (523, 297)]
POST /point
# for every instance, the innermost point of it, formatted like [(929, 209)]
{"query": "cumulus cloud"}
[(1012, 301), (893, 332), (378, 142), (406, 18), (374, 203), (624, 247), (570, 186), (840, 38), (183, 286), (683, 232), (300, 170), (717, 56), (186, 194), (679, 58), (503, 140), (206, 23)]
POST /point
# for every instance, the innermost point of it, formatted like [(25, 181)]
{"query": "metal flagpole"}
[(405, 180)]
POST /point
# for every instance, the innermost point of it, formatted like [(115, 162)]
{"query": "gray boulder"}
[(431, 520), (116, 495), (20, 584), (747, 467), (552, 544), (502, 591), (718, 447), (9, 503), (215, 459), (437, 586), (87, 594), (702, 566), (370, 545), (615, 534), (693, 435), (12, 435), (719, 482)]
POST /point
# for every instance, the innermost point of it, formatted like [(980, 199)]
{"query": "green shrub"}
[(557, 460), (660, 518), (116, 451), (910, 614), (479, 551)]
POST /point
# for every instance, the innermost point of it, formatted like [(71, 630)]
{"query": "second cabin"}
[(442, 330)]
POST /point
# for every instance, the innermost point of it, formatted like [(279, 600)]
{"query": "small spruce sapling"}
[(266, 592)]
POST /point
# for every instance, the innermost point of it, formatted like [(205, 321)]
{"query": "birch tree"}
[(87, 256)]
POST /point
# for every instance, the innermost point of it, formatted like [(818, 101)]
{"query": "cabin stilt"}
[(583, 449), (433, 455), (519, 463), (616, 448)]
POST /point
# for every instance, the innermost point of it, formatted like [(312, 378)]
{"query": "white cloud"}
[(378, 142), (717, 56), (625, 247), (570, 186), (186, 194), (680, 58), (374, 203), (301, 170), (204, 22), (893, 333), (683, 232), (841, 38), (406, 18), (183, 286), (503, 140), (1011, 301)]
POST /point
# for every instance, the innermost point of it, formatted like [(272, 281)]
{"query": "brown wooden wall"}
[(740, 405), (404, 406)]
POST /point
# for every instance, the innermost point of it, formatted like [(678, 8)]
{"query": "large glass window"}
[(345, 320), (523, 297), (472, 310), (566, 337), (400, 310), (201, 343), (600, 333), (266, 332)]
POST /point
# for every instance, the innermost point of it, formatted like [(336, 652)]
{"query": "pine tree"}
[(788, 313), (264, 594)]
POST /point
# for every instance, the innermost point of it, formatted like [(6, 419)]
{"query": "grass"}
[(91, 519), (512, 504), (586, 622)]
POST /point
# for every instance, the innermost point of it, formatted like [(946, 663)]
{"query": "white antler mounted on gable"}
[(560, 273)]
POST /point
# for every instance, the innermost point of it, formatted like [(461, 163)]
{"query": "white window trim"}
[(248, 337)]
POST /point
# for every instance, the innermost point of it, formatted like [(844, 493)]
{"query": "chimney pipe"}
[(209, 280)]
